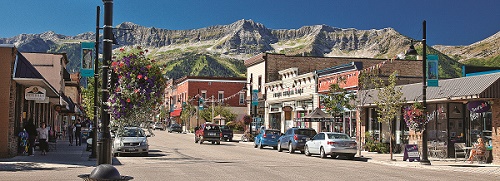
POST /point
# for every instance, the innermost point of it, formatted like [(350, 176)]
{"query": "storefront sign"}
[(34, 93), (411, 153), (478, 106)]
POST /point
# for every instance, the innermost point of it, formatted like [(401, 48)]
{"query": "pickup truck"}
[(207, 132), (226, 133)]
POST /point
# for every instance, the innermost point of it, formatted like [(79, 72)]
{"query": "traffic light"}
[(201, 103)]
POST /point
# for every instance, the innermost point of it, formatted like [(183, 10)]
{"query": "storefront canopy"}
[(176, 113), (25, 74), (317, 116), (458, 89)]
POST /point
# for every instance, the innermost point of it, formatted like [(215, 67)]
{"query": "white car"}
[(331, 143), (131, 140)]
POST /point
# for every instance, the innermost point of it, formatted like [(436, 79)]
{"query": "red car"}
[(207, 132)]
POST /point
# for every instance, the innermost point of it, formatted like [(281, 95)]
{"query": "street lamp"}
[(412, 51), (251, 99)]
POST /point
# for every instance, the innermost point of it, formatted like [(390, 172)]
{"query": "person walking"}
[(78, 133), (31, 129), (43, 136), (64, 129), (71, 133)]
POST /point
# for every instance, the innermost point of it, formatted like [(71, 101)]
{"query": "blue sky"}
[(449, 22)]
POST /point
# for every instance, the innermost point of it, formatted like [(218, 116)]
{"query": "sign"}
[(432, 70), (255, 97), (87, 59), (34, 93), (411, 153), (478, 106)]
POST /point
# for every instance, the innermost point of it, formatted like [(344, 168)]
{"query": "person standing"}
[(64, 129), (31, 129), (43, 136), (78, 133), (71, 133)]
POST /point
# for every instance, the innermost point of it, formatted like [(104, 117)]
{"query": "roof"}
[(317, 115), (465, 88), (26, 74)]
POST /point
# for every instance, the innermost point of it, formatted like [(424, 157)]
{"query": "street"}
[(175, 156)]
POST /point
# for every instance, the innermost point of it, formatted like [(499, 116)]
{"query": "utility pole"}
[(213, 109), (105, 151), (96, 77)]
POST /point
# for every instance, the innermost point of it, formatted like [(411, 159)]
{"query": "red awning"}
[(176, 113)]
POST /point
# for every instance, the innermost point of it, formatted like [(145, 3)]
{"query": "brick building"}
[(220, 90)]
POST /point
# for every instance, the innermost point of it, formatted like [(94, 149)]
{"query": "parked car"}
[(159, 125), (207, 132), (331, 143), (175, 128), (130, 140), (226, 133), (295, 139), (267, 137)]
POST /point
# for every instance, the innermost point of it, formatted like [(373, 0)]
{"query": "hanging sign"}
[(255, 97), (478, 106), (432, 70), (87, 59), (34, 93)]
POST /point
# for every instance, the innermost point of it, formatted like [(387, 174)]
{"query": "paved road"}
[(175, 156)]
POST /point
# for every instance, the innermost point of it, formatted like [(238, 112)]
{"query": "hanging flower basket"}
[(414, 117), (140, 85)]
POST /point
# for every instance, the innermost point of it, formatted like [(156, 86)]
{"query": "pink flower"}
[(128, 99), (148, 67), (139, 76), (122, 49)]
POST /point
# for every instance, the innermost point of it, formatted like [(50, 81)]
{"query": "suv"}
[(295, 139), (207, 132), (226, 133)]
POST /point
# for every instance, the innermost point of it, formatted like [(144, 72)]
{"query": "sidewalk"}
[(64, 157)]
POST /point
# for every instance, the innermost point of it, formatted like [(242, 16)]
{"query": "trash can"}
[(104, 172)]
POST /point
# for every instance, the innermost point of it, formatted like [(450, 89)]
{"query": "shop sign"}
[(34, 93), (411, 153), (478, 106)]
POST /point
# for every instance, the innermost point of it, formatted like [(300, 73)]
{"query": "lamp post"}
[(412, 51), (251, 99), (96, 77)]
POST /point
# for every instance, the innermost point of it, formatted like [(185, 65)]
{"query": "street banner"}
[(87, 59), (432, 70), (255, 97)]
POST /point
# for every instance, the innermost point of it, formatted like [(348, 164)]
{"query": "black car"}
[(207, 132), (295, 139), (227, 133), (175, 128)]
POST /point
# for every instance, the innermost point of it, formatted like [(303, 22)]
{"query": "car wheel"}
[(333, 155), (322, 153), (201, 140), (275, 147), (195, 140), (290, 148), (260, 145), (279, 147), (213, 142), (307, 151), (350, 156), (218, 142), (115, 154), (255, 144)]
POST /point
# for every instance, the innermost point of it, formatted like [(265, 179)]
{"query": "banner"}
[(87, 59), (255, 97), (432, 70)]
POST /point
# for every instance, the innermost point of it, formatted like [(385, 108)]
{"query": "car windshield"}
[(338, 136), (307, 132), (132, 133), (176, 125), (211, 127), (276, 132), (224, 127)]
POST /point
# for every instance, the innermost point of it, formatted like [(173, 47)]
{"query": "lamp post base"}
[(425, 162)]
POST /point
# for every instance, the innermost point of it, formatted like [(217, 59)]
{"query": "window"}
[(242, 98), (221, 96), (204, 94), (260, 83)]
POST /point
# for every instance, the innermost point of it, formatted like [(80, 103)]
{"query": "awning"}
[(176, 113), (25, 74), (317, 116)]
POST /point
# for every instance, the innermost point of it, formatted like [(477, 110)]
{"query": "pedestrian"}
[(43, 136), (23, 143), (71, 133), (78, 133), (64, 129), (31, 129)]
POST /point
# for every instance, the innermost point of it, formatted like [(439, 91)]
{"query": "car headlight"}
[(144, 142)]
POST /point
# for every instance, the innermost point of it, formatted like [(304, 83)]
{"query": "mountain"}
[(219, 50), (484, 53)]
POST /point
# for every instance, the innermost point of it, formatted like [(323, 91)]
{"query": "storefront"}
[(459, 111)]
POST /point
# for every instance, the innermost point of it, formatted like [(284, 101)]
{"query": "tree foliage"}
[(337, 99), (206, 114)]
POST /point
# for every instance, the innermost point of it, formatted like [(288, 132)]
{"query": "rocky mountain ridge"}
[(224, 46)]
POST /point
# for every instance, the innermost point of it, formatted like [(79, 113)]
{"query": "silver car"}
[(131, 140), (331, 143)]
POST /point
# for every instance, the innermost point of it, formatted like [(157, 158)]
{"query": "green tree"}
[(389, 102), (206, 114), (338, 99)]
